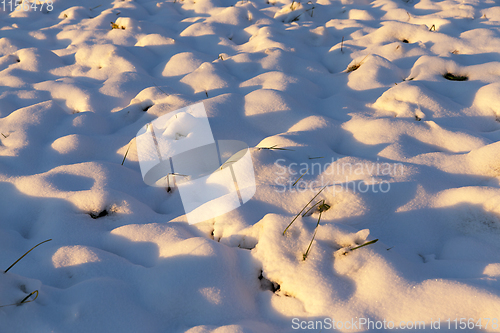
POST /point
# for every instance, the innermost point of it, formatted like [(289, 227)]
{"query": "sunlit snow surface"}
[(357, 83)]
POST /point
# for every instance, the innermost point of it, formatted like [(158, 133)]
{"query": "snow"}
[(390, 106)]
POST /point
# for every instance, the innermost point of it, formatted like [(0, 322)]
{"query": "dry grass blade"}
[(272, 148), (304, 256), (310, 209), (160, 89), (299, 178), (126, 153), (25, 300), (360, 246), (296, 216), (45, 241), (323, 207), (116, 26)]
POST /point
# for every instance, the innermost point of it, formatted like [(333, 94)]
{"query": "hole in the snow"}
[(245, 247), (453, 77), (405, 41), (98, 215), (147, 107), (353, 68), (266, 284)]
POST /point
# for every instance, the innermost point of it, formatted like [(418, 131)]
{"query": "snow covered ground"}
[(391, 106)]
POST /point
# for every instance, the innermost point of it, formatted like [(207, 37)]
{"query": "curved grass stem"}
[(45, 241)]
